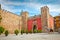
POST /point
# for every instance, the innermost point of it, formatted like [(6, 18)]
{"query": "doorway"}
[(51, 30), (34, 29)]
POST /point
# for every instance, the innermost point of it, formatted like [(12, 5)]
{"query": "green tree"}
[(1, 30), (16, 32), (6, 33), (26, 31), (22, 31), (35, 31)]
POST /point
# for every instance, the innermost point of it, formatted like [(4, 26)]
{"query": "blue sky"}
[(32, 6)]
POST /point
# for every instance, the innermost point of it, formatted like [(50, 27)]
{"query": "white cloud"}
[(54, 8), (35, 6)]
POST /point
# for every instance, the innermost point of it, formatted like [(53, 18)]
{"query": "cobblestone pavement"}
[(36, 36)]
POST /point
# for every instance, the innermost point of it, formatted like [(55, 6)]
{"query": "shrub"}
[(22, 31), (1, 30), (6, 33), (16, 32), (30, 31), (26, 31), (35, 31), (39, 31)]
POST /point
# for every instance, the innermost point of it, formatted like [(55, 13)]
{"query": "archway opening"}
[(51, 30), (34, 29)]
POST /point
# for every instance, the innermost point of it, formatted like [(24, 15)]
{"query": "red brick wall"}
[(30, 24), (38, 23)]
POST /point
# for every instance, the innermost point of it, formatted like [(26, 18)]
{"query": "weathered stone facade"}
[(24, 16), (46, 19), (11, 21)]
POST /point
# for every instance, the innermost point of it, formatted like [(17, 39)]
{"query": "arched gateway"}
[(11, 21), (34, 28)]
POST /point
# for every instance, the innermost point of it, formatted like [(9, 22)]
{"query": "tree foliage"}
[(22, 31), (16, 32), (39, 31), (1, 30), (6, 33)]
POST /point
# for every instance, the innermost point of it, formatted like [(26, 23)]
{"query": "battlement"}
[(36, 16), (45, 7), (12, 21), (3, 10)]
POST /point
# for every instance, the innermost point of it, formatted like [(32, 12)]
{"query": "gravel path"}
[(36, 36)]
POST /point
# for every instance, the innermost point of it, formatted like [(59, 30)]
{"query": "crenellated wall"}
[(10, 21)]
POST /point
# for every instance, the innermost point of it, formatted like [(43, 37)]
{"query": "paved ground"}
[(36, 36)]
